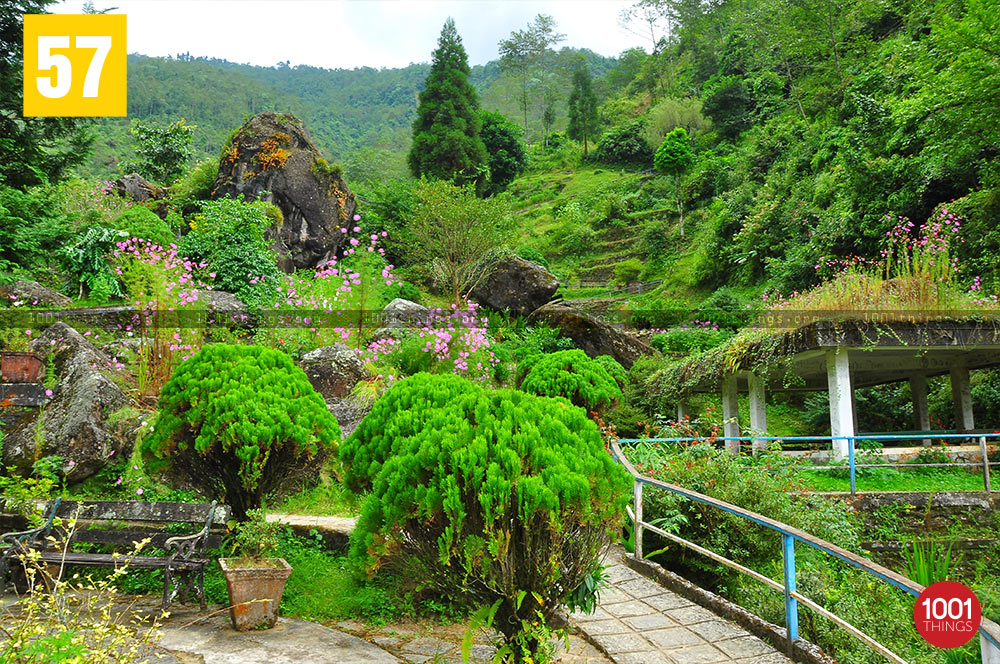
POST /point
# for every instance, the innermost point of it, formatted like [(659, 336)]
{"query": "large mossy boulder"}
[(273, 158), (333, 371), (75, 423), (592, 336), (31, 294), (516, 285)]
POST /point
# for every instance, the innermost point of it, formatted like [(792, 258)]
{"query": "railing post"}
[(991, 654), (791, 604), (985, 451), (850, 462), (637, 526)]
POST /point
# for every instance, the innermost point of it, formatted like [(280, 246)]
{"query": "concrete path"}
[(639, 621), (291, 641)]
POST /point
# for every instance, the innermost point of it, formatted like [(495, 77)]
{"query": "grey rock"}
[(74, 424), (592, 336), (428, 645), (404, 313), (314, 200), (332, 370), (31, 294), (516, 285), (138, 188), (349, 412), (221, 301)]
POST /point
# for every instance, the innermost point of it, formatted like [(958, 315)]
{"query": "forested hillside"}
[(352, 114)]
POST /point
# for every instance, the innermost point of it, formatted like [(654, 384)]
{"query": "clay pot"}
[(20, 367), (255, 592)]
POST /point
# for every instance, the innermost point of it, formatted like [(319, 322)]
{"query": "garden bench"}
[(120, 526)]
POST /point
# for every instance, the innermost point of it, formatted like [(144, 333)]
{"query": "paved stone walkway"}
[(639, 621)]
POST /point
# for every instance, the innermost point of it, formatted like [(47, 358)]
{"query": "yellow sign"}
[(74, 65)]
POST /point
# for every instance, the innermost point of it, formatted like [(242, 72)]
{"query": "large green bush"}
[(236, 421), (142, 222), (488, 496), (570, 374), (625, 146)]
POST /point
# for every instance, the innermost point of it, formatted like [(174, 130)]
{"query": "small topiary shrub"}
[(570, 374), (616, 370), (491, 497), (236, 421), (142, 222)]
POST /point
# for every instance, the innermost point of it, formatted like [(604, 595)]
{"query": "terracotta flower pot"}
[(255, 592), (18, 367)]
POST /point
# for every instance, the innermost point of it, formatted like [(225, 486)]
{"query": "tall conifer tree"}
[(583, 116), (446, 142)]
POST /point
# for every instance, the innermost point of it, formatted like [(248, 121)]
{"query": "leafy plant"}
[(490, 497), (628, 271), (141, 222), (255, 539), (160, 152), (88, 264), (927, 562), (236, 421)]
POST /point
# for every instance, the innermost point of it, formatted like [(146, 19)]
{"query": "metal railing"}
[(989, 631), (852, 465)]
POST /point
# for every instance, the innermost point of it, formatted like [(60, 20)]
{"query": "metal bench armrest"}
[(33, 535), (185, 547)]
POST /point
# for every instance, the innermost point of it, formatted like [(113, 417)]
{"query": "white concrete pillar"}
[(990, 653), (683, 410), (921, 414), (758, 409), (838, 375), (961, 395), (730, 413)]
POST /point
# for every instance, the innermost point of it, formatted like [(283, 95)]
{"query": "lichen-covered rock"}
[(349, 412), (138, 188), (516, 285), (592, 336), (274, 153), (333, 371), (29, 294), (221, 301), (75, 423)]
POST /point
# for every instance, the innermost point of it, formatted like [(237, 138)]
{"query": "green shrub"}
[(490, 497), (402, 289), (628, 271), (660, 313), (32, 228), (689, 339), (625, 145), (570, 374), (616, 370), (533, 255), (141, 222), (236, 420), (229, 236), (196, 185)]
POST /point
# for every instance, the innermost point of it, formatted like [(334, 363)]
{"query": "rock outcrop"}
[(592, 336), (404, 313), (29, 294), (74, 424), (138, 188), (516, 285), (274, 153), (332, 370)]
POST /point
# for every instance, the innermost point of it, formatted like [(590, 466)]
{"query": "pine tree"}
[(583, 117), (446, 142)]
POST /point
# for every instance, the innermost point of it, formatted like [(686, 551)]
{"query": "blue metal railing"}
[(852, 464), (989, 631)]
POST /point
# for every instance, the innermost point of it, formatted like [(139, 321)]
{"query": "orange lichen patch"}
[(271, 154), (232, 154), (284, 140)]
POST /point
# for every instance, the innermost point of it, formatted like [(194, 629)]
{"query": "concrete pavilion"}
[(838, 357)]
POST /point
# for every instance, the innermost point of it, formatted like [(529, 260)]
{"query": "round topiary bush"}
[(236, 421), (614, 369), (570, 374), (491, 497), (143, 223)]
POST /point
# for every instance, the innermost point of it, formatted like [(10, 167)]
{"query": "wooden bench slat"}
[(111, 561), (128, 538)]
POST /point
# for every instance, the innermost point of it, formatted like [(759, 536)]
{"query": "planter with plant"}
[(256, 578)]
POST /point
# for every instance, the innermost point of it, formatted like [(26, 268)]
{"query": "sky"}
[(344, 34)]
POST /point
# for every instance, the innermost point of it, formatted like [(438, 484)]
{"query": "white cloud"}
[(352, 33)]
